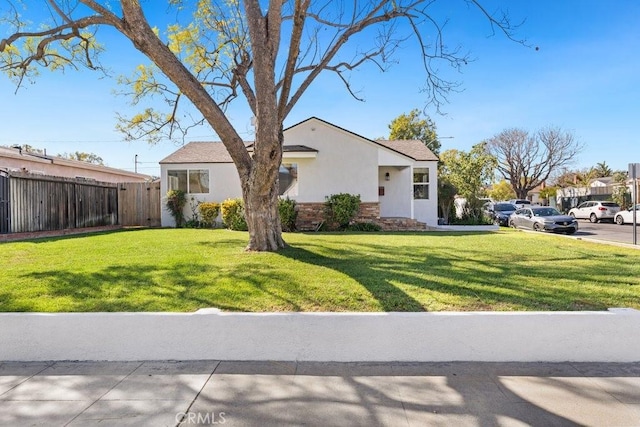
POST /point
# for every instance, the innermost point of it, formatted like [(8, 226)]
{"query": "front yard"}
[(186, 269)]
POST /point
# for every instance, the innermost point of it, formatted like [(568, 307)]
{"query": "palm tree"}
[(602, 170)]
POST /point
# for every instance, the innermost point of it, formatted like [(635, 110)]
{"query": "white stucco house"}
[(396, 180)]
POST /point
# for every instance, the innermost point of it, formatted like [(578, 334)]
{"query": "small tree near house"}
[(176, 200)]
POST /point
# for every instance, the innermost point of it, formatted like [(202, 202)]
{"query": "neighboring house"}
[(16, 159), (396, 180), (604, 186), (598, 189), (534, 194)]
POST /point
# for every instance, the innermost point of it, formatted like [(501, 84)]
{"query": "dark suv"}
[(500, 212)]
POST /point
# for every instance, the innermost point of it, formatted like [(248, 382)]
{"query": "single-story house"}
[(19, 160), (396, 180)]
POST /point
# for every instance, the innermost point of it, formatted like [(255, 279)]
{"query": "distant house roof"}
[(605, 180), (26, 161), (412, 148)]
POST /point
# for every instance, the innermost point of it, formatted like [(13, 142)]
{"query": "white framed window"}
[(421, 183), (192, 181)]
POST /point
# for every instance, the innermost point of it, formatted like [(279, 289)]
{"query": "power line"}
[(101, 141)]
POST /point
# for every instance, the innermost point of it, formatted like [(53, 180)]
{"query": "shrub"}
[(209, 212), (622, 196), (233, 214), (234, 219), (193, 223), (176, 201), (288, 214), (467, 219), (342, 208), (364, 226)]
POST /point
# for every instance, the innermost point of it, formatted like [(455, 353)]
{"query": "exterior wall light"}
[(386, 176)]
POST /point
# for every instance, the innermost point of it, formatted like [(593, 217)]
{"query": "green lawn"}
[(186, 269)]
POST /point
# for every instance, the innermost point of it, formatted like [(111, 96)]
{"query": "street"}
[(606, 231)]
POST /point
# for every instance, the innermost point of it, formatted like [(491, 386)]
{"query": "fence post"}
[(5, 211)]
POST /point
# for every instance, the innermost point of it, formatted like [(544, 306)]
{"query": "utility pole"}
[(135, 162), (634, 169)]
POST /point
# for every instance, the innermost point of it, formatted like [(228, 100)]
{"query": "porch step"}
[(400, 224)]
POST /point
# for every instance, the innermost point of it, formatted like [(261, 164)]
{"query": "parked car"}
[(595, 211), (500, 212), (543, 218), (626, 216), (520, 203)]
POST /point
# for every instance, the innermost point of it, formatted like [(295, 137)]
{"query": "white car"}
[(595, 211), (626, 216), (520, 203)]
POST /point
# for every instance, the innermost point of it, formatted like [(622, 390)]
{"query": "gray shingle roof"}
[(200, 152), (412, 148), (215, 152)]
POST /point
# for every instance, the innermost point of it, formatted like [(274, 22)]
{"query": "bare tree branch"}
[(526, 161)]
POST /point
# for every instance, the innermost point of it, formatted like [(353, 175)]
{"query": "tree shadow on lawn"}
[(75, 236), (182, 288), (357, 276), (504, 281)]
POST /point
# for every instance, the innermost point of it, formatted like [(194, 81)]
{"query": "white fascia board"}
[(300, 155)]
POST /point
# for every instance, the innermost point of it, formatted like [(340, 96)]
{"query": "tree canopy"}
[(470, 173), (526, 160), (414, 126), (501, 191), (602, 170), (83, 157), (212, 53)]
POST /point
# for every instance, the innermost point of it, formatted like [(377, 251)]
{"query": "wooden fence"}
[(139, 204), (31, 203)]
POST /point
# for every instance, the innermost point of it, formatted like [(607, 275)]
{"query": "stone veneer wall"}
[(310, 215)]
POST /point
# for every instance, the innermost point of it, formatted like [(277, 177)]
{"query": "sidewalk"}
[(170, 393)]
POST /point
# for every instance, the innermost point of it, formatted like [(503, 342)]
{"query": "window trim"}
[(425, 185)]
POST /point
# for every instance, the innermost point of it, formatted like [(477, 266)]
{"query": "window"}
[(288, 178), (178, 180), (189, 180), (421, 183), (199, 181)]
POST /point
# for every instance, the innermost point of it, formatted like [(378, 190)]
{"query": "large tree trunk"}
[(263, 219), (521, 193), (260, 186), (261, 190)]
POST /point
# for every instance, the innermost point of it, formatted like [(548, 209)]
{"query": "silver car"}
[(543, 218), (595, 211)]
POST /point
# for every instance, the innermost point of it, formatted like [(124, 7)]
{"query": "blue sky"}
[(584, 78)]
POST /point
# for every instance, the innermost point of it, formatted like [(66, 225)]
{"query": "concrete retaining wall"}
[(610, 336)]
